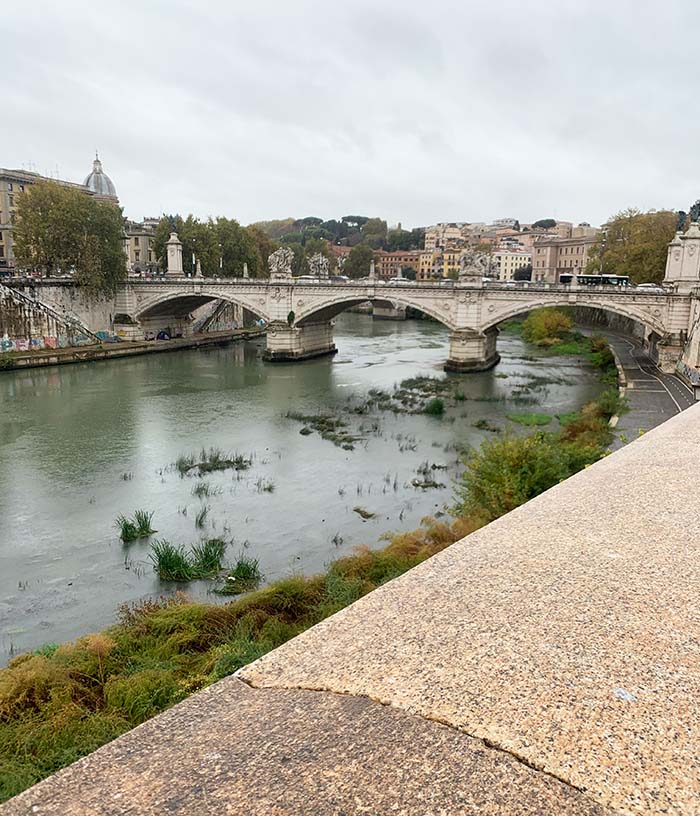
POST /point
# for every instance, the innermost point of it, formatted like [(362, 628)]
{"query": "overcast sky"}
[(414, 111)]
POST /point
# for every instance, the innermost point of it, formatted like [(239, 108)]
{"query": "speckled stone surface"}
[(567, 632), (236, 750)]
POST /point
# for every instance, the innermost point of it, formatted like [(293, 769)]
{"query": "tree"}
[(62, 230), (265, 246), (358, 261), (634, 244), (237, 247), (545, 223), (524, 273), (374, 233)]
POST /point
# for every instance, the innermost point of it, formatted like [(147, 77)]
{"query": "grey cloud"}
[(418, 112)]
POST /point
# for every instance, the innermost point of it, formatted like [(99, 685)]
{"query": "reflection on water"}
[(81, 444)]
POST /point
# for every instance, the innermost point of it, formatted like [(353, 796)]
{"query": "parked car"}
[(339, 279)]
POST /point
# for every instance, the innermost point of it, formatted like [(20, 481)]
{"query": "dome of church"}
[(99, 182)]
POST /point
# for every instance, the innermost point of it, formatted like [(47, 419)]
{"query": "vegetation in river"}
[(435, 407), (131, 529), (244, 576), (327, 427), (174, 563), (201, 516), (485, 425), (363, 513), (204, 490), (211, 460)]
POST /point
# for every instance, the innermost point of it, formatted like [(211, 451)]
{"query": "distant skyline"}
[(409, 111)]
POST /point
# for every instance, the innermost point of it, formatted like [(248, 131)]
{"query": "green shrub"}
[(546, 326)]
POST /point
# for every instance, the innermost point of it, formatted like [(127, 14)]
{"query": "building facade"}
[(394, 264), (506, 262), (552, 257)]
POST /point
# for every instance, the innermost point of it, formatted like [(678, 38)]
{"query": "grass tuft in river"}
[(211, 460), (174, 563), (244, 576), (131, 529)]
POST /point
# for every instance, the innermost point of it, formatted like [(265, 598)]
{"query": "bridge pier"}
[(287, 343), (670, 351), (472, 351)]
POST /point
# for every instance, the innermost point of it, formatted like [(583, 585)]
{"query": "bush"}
[(506, 472), (546, 326)]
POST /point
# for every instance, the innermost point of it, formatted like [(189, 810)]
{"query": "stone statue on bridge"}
[(319, 265), (280, 263), (473, 266)]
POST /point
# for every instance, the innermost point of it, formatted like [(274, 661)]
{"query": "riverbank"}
[(11, 361), (62, 702)]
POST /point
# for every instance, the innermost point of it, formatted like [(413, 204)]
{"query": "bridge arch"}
[(329, 308), (650, 321), (180, 304)]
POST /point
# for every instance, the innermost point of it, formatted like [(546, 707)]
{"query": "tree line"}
[(60, 230)]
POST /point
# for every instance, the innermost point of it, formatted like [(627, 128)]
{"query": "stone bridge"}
[(300, 315)]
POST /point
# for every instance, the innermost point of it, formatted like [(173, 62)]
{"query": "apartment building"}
[(553, 256), (506, 262), (393, 264)]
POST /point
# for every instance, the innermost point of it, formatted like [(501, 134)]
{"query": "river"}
[(81, 444)]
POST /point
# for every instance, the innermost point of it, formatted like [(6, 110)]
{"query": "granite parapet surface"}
[(235, 750)]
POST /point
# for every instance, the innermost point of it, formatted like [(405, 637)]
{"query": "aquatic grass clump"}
[(131, 529), (171, 562), (201, 517), (243, 577), (327, 427), (435, 407), (174, 563), (203, 490), (143, 519), (127, 529), (211, 460), (207, 556)]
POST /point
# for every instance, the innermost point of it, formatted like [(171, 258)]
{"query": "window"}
[(9, 186), (137, 255), (21, 188)]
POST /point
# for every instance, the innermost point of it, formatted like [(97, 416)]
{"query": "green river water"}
[(81, 444)]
